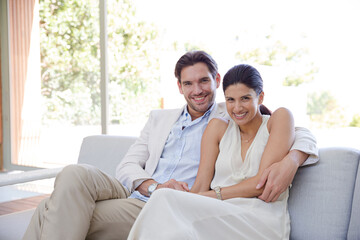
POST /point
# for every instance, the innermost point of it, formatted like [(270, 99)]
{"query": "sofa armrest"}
[(321, 202), (15, 178), (102, 151)]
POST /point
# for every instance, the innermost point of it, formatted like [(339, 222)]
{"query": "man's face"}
[(199, 88)]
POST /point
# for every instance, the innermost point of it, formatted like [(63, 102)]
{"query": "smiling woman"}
[(229, 171)]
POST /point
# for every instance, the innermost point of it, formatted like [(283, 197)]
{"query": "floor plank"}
[(21, 204)]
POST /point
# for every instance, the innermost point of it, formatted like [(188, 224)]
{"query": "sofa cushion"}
[(322, 195)]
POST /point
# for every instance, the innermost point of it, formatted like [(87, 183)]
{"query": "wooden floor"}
[(21, 204)]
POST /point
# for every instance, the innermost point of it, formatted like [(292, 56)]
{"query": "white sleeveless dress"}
[(171, 214)]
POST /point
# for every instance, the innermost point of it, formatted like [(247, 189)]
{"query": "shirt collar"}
[(186, 114)]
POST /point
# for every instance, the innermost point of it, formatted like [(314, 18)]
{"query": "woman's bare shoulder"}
[(280, 116), (217, 127), (219, 122)]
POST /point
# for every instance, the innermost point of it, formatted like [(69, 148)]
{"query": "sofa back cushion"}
[(321, 198), (104, 151)]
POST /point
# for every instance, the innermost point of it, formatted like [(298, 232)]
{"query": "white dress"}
[(171, 214)]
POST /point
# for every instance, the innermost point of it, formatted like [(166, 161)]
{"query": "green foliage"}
[(265, 55), (274, 52), (188, 46), (320, 103), (324, 110), (296, 78), (134, 61), (70, 59), (355, 121)]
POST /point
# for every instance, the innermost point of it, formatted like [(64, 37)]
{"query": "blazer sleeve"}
[(305, 142), (132, 166)]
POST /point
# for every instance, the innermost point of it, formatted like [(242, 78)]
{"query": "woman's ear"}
[(261, 97)]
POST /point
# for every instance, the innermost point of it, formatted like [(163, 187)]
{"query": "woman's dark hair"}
[(248, 76), (193, 57)]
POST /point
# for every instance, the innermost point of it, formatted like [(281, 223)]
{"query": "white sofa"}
[(324, 200)]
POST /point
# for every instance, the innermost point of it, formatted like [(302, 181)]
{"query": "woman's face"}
[(242, 103)]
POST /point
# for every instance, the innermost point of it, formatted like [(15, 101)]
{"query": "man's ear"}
[(218, 80), (179, 86), (261, 97)]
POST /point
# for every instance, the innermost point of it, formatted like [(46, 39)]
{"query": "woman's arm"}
[(281, 130), (278, 177), (209, 152)]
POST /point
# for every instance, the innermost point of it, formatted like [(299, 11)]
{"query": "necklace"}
[(246, 140)]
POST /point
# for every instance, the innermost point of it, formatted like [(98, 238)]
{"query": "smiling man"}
[(198, 87), (87, 203)]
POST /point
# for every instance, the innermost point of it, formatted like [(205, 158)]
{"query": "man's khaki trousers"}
[(85, 203)]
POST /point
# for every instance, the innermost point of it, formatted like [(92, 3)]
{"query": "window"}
[(84, 82), (55, 88)]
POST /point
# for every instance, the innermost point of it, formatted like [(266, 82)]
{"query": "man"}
[(87, 203)]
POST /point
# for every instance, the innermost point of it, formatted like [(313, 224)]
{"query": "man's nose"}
[(197, 89)]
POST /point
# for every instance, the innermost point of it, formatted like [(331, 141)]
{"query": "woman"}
[(233, 156)]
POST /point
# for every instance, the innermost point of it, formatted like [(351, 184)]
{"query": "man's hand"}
[(172, 183), (177, 185), (278, 177)]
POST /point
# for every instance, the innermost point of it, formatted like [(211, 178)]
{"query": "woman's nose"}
[(238, 107)]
